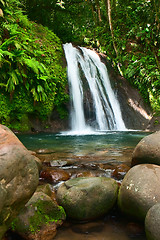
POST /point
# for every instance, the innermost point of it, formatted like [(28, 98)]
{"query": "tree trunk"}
[(111, 26), (109, 12), (93, 12), (98, 11), (157, 11)]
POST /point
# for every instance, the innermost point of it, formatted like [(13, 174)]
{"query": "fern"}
[(3, 54)]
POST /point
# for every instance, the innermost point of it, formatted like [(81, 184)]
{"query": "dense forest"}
[(33, 79)]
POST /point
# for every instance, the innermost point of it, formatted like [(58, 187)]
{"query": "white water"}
[(87, 74)]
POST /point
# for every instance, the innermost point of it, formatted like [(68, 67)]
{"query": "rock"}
[(140, 190), (154, 124), (147, 150), (152, 223), (58, 163), (136, 113), (18, 177), (39, 219), (120, 171), (87, 198), (54, 175), (44, 151), (85, 174), (48, 190)]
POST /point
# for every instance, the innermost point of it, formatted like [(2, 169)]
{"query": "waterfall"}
[(93, 102)]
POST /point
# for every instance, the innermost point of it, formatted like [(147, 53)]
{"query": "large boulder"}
[(147, 150), (87, 198), (152, 223), (39, 219), (140, 190), (18, 177)]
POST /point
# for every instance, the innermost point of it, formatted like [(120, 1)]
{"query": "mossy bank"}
[(33, 79)]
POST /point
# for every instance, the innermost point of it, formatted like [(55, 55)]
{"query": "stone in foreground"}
[(87, 198), (39, 219), (140, 190), (147, 150), (18, 177), (152, 223)]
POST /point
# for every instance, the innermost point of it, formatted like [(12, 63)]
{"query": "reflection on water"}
[(99, 153)]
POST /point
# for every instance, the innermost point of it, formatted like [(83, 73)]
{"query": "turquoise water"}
[(77, 143), (116, 147)]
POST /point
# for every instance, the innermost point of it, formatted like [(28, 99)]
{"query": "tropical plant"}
[(29, 64)]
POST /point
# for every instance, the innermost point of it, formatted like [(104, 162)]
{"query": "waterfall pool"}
[(89, 152), (67, 143)]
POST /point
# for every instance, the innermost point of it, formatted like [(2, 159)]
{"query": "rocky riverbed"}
[(86, 190)]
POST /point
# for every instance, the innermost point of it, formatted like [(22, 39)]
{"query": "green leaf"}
[(39, 88)]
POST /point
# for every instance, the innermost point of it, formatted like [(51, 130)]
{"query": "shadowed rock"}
[(39, 219), (18, 177), (87, 198), (152, 223)]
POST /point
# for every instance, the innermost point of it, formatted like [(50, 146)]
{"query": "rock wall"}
[(136, 113)]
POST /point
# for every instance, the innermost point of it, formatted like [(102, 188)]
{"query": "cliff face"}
[(136, 113)]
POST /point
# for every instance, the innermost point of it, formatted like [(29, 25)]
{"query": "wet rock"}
[(85, 174), (48, 190), (140, 190), (91, 165), (58, 163), (39, 219), (152, 223), (105, 166), (147, 150), (54, 175), (44, 151), (18, 177), (87, 198), (120, 171)]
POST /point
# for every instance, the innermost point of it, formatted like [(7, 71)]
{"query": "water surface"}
[(82, 144), (102, 148)]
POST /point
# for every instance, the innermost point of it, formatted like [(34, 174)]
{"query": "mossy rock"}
[(38, 213), (87, 198)]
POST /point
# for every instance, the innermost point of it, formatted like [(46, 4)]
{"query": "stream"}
[(98, 154)]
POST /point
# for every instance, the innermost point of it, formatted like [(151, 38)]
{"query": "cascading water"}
[(93, 102)]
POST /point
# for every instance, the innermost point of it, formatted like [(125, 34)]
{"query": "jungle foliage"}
[(128, 32), (32, 80)]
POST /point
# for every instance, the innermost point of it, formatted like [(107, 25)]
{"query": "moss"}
[(36, 215), (33, 82), (41, 217)]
